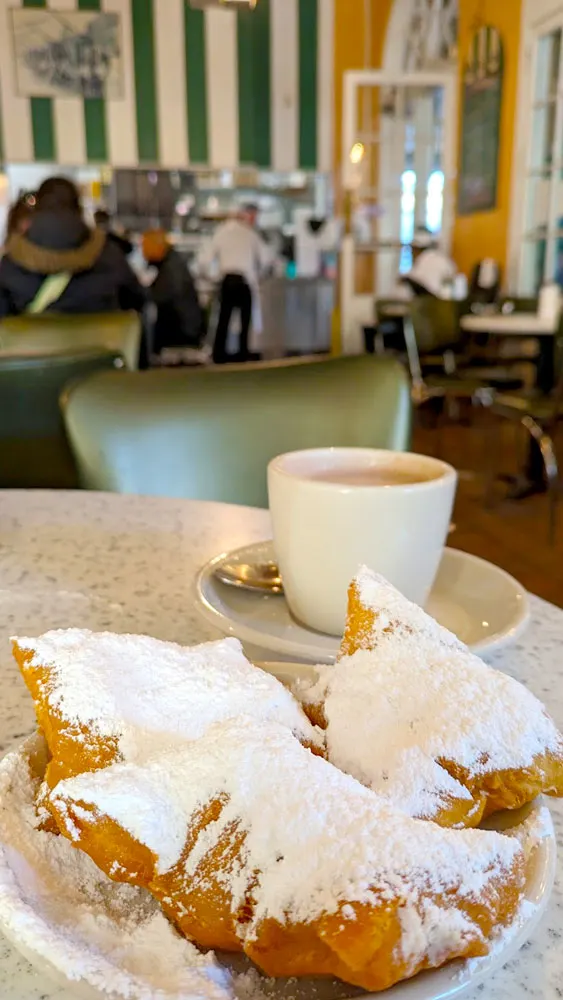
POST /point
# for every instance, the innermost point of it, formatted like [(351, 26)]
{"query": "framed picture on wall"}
[(480, 127), (67, 53)]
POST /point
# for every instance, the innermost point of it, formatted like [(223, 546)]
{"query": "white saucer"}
[(480, 603)]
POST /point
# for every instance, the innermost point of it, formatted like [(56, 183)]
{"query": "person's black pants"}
[(235, 295)]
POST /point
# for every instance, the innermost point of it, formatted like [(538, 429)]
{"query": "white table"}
[(127, 563), (516, 324)]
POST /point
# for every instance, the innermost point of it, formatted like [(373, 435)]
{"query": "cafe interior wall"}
[(198, 88), (487, 233), (473, 235), (360, 28)]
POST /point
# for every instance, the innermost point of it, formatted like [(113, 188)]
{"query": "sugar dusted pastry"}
[(99, 696), (252, 843), (413, 714)]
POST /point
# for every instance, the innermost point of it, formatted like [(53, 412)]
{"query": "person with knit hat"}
[(179, 317)]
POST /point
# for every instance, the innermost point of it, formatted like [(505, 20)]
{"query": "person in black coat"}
[(179, 316), (58, 242), (103, 221)]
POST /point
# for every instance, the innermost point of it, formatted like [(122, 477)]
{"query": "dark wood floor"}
[(513, 535)]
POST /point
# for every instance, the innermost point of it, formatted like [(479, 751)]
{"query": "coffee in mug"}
[(334, 509)]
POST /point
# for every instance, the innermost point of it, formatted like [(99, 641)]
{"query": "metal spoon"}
[(263, 577)]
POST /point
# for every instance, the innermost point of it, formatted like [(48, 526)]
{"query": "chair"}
[(484, 350), (52, 333), (34, 451), (437, 358), (519, 303), (388, 330), (209, 434), (484, 283), (538, 414), (433, 338)]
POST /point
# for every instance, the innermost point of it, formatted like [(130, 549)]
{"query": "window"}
[(434, 211), (542, 246)]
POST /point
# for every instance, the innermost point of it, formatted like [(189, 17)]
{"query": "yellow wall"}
[(349, 52), (486, 233)]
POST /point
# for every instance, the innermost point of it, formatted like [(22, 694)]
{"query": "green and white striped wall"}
[(215, 87)]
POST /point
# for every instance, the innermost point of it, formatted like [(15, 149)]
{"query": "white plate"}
[(23, 907), (480, 603)]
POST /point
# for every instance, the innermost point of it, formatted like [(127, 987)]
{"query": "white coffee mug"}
[(329, 519)]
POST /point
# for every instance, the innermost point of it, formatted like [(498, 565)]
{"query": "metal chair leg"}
[(549, 457), (379, 343), (412, 353)]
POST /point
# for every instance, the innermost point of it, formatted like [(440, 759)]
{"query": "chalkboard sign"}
[(480, 137)]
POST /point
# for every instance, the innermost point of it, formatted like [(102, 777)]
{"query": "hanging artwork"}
[(64, 53), (480, 135)]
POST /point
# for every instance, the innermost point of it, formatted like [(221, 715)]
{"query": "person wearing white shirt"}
[(432, 272), (241, 256)]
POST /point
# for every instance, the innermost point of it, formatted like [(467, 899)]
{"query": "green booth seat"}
[(209, 434), (34, 451), (51, 333)]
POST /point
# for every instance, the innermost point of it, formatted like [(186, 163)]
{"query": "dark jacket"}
[(102, 280), (179, 321), (124, 244)]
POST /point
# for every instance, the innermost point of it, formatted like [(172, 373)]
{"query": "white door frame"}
[(394, 49), (548, 17), (356, 310)]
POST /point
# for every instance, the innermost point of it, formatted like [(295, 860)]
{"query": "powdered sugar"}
[(297, 812), (60, 906), (424, 932), (537, 827), (418, 696), (140, 689), (532, 833)]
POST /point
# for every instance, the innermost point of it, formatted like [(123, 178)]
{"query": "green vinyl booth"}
[(34, 450), (209, 434), (51, 333)]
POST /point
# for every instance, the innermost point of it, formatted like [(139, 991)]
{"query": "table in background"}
[(521, 325), (524, 325), (128, 564), (515, 324)]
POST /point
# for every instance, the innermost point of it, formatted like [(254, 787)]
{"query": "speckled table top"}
[(128, 564)]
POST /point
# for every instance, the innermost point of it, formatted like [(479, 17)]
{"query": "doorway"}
[(399, 154)]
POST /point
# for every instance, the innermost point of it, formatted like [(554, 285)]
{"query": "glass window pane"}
[(543, 134), (435, 201), (556, 224), (534, 266), (537, 208), (547, 77), (558, 276)]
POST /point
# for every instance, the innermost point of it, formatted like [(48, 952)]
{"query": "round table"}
[(128, 564)]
